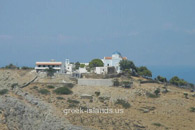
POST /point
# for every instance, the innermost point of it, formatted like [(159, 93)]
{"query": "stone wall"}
[(95, 82)]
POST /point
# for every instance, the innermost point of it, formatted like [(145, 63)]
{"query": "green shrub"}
[(84, 108), (122, 102), (63, 90), (77, 65), (126, 84), (60, 98), (177, 81), (144, 71), (192, 109), (26, 68), (96, 63), (72, 105), (43, 91), (157, 124), (35, 87), (186, 95), (11, 66), (3, 91), (102, 99), (50, 71), (82, 65), (127, 66), (97, 93), (116, 82), (73, 101), (13, 85), (157, 91), (161, 79), (69, 85), (151, 95), (50, 86)]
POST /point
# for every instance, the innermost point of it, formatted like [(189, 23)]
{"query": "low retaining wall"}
[(25, 85), (95, 82), (144, 82)]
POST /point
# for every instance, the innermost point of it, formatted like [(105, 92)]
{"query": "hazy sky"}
[(149, 32)]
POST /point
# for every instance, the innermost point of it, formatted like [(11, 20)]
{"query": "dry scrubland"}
[(169, 111)]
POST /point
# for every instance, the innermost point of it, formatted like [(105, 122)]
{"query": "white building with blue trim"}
[(114, 60)]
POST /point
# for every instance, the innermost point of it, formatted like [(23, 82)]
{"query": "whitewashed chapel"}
[(112, 61)]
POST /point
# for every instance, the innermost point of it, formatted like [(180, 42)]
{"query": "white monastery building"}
[(111, 65), (113, 61)]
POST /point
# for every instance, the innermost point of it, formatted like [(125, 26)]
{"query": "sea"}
[(184, 72)]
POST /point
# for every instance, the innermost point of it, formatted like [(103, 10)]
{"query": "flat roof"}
[(48, 63)]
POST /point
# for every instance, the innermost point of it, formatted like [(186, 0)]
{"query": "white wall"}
[(101, 70), (82, 70)]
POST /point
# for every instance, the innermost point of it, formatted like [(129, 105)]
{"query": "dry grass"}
[(171, 109)]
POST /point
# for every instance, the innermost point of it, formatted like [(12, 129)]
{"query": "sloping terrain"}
[(27, 108), (11, 78), (20, 110)]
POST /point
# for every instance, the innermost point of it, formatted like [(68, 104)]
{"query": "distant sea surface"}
[(185, 72)]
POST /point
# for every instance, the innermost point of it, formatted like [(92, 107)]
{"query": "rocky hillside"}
[(20, 110), (148, 106)]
